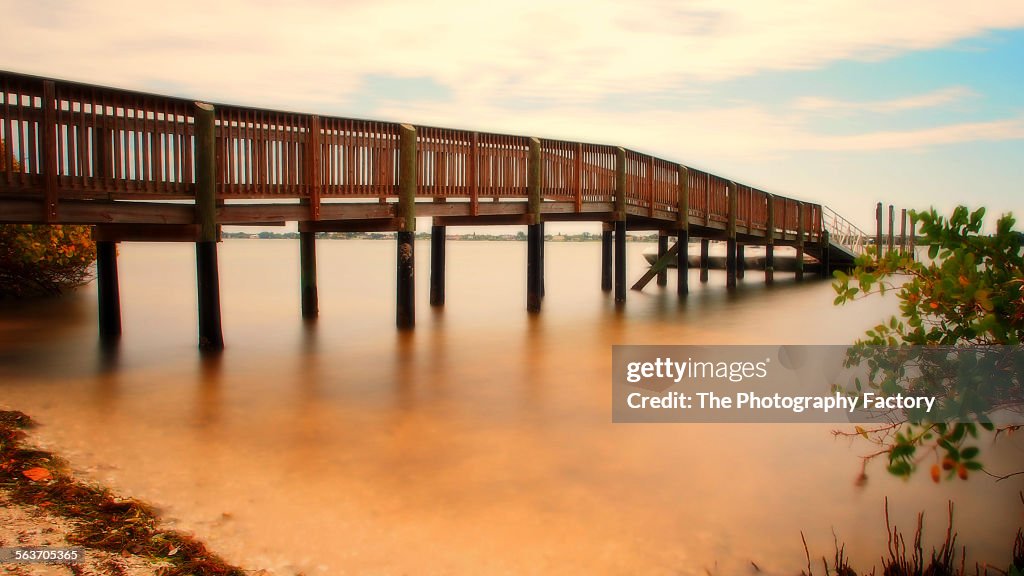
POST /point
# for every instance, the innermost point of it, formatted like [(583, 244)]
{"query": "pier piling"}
[(620, 261), (405, 309), (800, 241), (769, 248), (878, 232), (683, 232), (307, 275), (731, 246), (682, 263), (730, 263), (903, 232), (620, 225), (543, 251), (108, 291), (533, 267), (662, 249), (826, 255), (892, 227), (606, 257), (741, 265), (534, 232), (705, 245), (437, 264), (211, 336)]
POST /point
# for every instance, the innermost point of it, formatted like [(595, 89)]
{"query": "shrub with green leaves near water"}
[(967, 293), (40, 259)]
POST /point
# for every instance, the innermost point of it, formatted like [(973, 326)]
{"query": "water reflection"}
[(209, 395), (480, 442)]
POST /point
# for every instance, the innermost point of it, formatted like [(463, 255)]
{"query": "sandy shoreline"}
[(43, 504)]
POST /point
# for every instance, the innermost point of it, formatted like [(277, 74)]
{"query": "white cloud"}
[(693, 135), (992, 131), (314, 55), (932, 99), (299, 54)]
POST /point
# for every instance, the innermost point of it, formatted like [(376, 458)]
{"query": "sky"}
[(916, 103)]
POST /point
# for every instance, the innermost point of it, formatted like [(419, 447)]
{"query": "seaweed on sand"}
[(101, 520)]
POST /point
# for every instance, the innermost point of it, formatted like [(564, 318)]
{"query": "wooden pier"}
[(145, 167)]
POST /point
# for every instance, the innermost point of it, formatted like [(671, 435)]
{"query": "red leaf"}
[(37, 474)]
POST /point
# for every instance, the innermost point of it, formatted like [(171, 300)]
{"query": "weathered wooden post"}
[(606, 256), (108, 291), (903, 232), (826, 255), (107, 285), (534, 234), (49, 149), (543, 252), (741, 265), (405, 315), (662, 249), (437, 257), (730, 250), (307, 274), (211, 336), (800, 226), (705, 245), (683, 233), (913, 237), (892, 227), (620, 225), (769, 249), (878, 232), (307, 239)]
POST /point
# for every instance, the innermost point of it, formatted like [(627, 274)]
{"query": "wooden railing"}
[(115, 144)]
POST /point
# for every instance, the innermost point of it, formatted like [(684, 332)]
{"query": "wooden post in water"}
[(912, 238), (534, 233), (730, 248), (662, 249), (683, 233), (878, 232), (211, 336), (741, 265), (307, 275), (107, 285), (108, 291), (892, 227), (903, 232), (437, 245), (606, 256), (543, 253), (826, 255), (405, 312), (769, 249), (307, 239), (800, 227), (620, 225), (705, 245)]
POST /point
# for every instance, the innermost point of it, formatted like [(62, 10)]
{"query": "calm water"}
[(481, 442)]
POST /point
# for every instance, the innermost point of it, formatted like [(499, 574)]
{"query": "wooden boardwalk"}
[(145, 167)]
